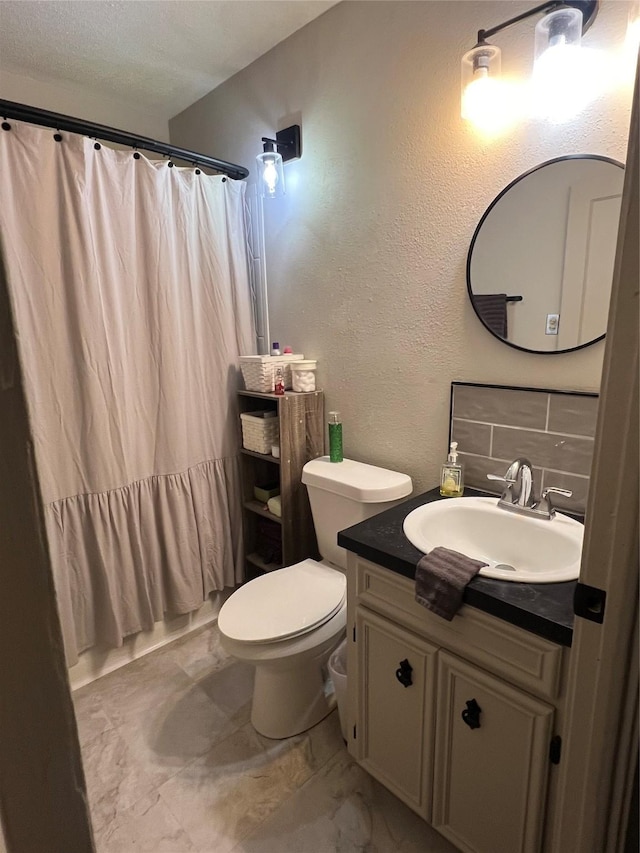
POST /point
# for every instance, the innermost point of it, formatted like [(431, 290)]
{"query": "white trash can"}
[(338, 675)]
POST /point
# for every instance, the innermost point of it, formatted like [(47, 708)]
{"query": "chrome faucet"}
[(518, 495)]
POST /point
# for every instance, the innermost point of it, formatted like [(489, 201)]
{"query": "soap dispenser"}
[(335, 437), (451, 476)]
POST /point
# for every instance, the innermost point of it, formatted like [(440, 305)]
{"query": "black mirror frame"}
[(479, 226)]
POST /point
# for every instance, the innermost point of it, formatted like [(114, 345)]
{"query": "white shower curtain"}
[(131, 296)]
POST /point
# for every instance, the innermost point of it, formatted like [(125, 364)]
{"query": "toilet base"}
[(289, 694), (290, 700)]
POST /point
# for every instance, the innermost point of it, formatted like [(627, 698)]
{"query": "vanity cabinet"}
[(291, 535), (395, 723), (489, 782), (455, 718)]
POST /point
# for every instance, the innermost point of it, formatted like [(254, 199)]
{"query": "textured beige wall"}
[(366, 254), (76, 100)]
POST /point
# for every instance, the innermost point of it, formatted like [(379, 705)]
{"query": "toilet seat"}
[(283, 604)]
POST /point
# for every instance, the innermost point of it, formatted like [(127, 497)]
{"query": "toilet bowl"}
[(289, 621), (286, 624)]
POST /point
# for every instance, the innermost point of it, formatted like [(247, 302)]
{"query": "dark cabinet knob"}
[(471, 714), (403, 673)]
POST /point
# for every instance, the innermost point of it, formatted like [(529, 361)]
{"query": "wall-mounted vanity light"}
[(562, 82), (286, 146)]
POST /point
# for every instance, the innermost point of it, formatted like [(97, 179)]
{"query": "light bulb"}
[(486, 98), (566, 77), (489, 104), (556, 85), (270, 174)]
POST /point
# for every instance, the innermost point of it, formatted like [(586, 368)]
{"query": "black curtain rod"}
[(45, 118)]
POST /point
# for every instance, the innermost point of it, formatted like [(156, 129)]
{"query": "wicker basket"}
[(258, 371), (259, 431)]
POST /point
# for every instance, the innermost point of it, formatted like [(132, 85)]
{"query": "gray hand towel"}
[(441, 577), (492, 307)]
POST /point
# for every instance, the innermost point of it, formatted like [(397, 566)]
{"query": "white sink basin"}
[(516, 547)]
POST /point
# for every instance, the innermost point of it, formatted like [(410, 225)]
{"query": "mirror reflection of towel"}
[(492, 307)]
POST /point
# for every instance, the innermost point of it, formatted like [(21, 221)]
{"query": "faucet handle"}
[(545, 501), (501, 479), (566, 493), (508, 482)]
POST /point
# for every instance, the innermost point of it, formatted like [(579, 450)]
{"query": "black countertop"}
[(545, 609)]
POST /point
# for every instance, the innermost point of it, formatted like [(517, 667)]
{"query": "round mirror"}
[(540, 264)]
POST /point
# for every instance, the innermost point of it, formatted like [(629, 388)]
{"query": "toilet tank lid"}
[(356, 480)]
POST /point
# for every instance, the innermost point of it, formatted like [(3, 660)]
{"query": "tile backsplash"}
[(494, 425)]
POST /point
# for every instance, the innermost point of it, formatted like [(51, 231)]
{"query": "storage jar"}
[(303, 375)]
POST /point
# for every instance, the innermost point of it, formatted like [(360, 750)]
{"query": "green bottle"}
[(335, 437)]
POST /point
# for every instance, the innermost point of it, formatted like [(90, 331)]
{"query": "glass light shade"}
[(480, 80), (562, 84), (560, 28), (487, 99), (270, 174)]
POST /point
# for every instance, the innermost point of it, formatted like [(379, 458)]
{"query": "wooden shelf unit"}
[(301, 422), (261, 509)]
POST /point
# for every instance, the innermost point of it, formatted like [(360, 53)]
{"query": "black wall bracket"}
[(287, 141)]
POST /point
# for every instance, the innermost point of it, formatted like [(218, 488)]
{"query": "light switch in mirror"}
[(540, 264)]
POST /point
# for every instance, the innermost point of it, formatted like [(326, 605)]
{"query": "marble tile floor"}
[(173, 765)]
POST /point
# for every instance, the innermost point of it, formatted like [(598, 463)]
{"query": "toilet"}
[(286, 623)]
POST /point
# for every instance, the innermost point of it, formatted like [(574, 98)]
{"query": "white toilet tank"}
[(343, 493)]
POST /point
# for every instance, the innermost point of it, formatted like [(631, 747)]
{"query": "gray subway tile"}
[(472, 437), (508, 406), (545, 450), (476, 469), (572, 413)]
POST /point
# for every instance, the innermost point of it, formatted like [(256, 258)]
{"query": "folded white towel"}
[(275, 506)]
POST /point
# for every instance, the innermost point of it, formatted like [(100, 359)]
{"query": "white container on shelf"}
[(303, 375), (258, 371)]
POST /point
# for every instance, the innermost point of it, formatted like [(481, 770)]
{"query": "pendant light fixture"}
[(286, 146), (557, 44), (271, 172), (482, 89), (562, 84)]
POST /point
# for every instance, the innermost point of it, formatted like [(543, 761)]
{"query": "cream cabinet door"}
[(394, 729), (492, 761)]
